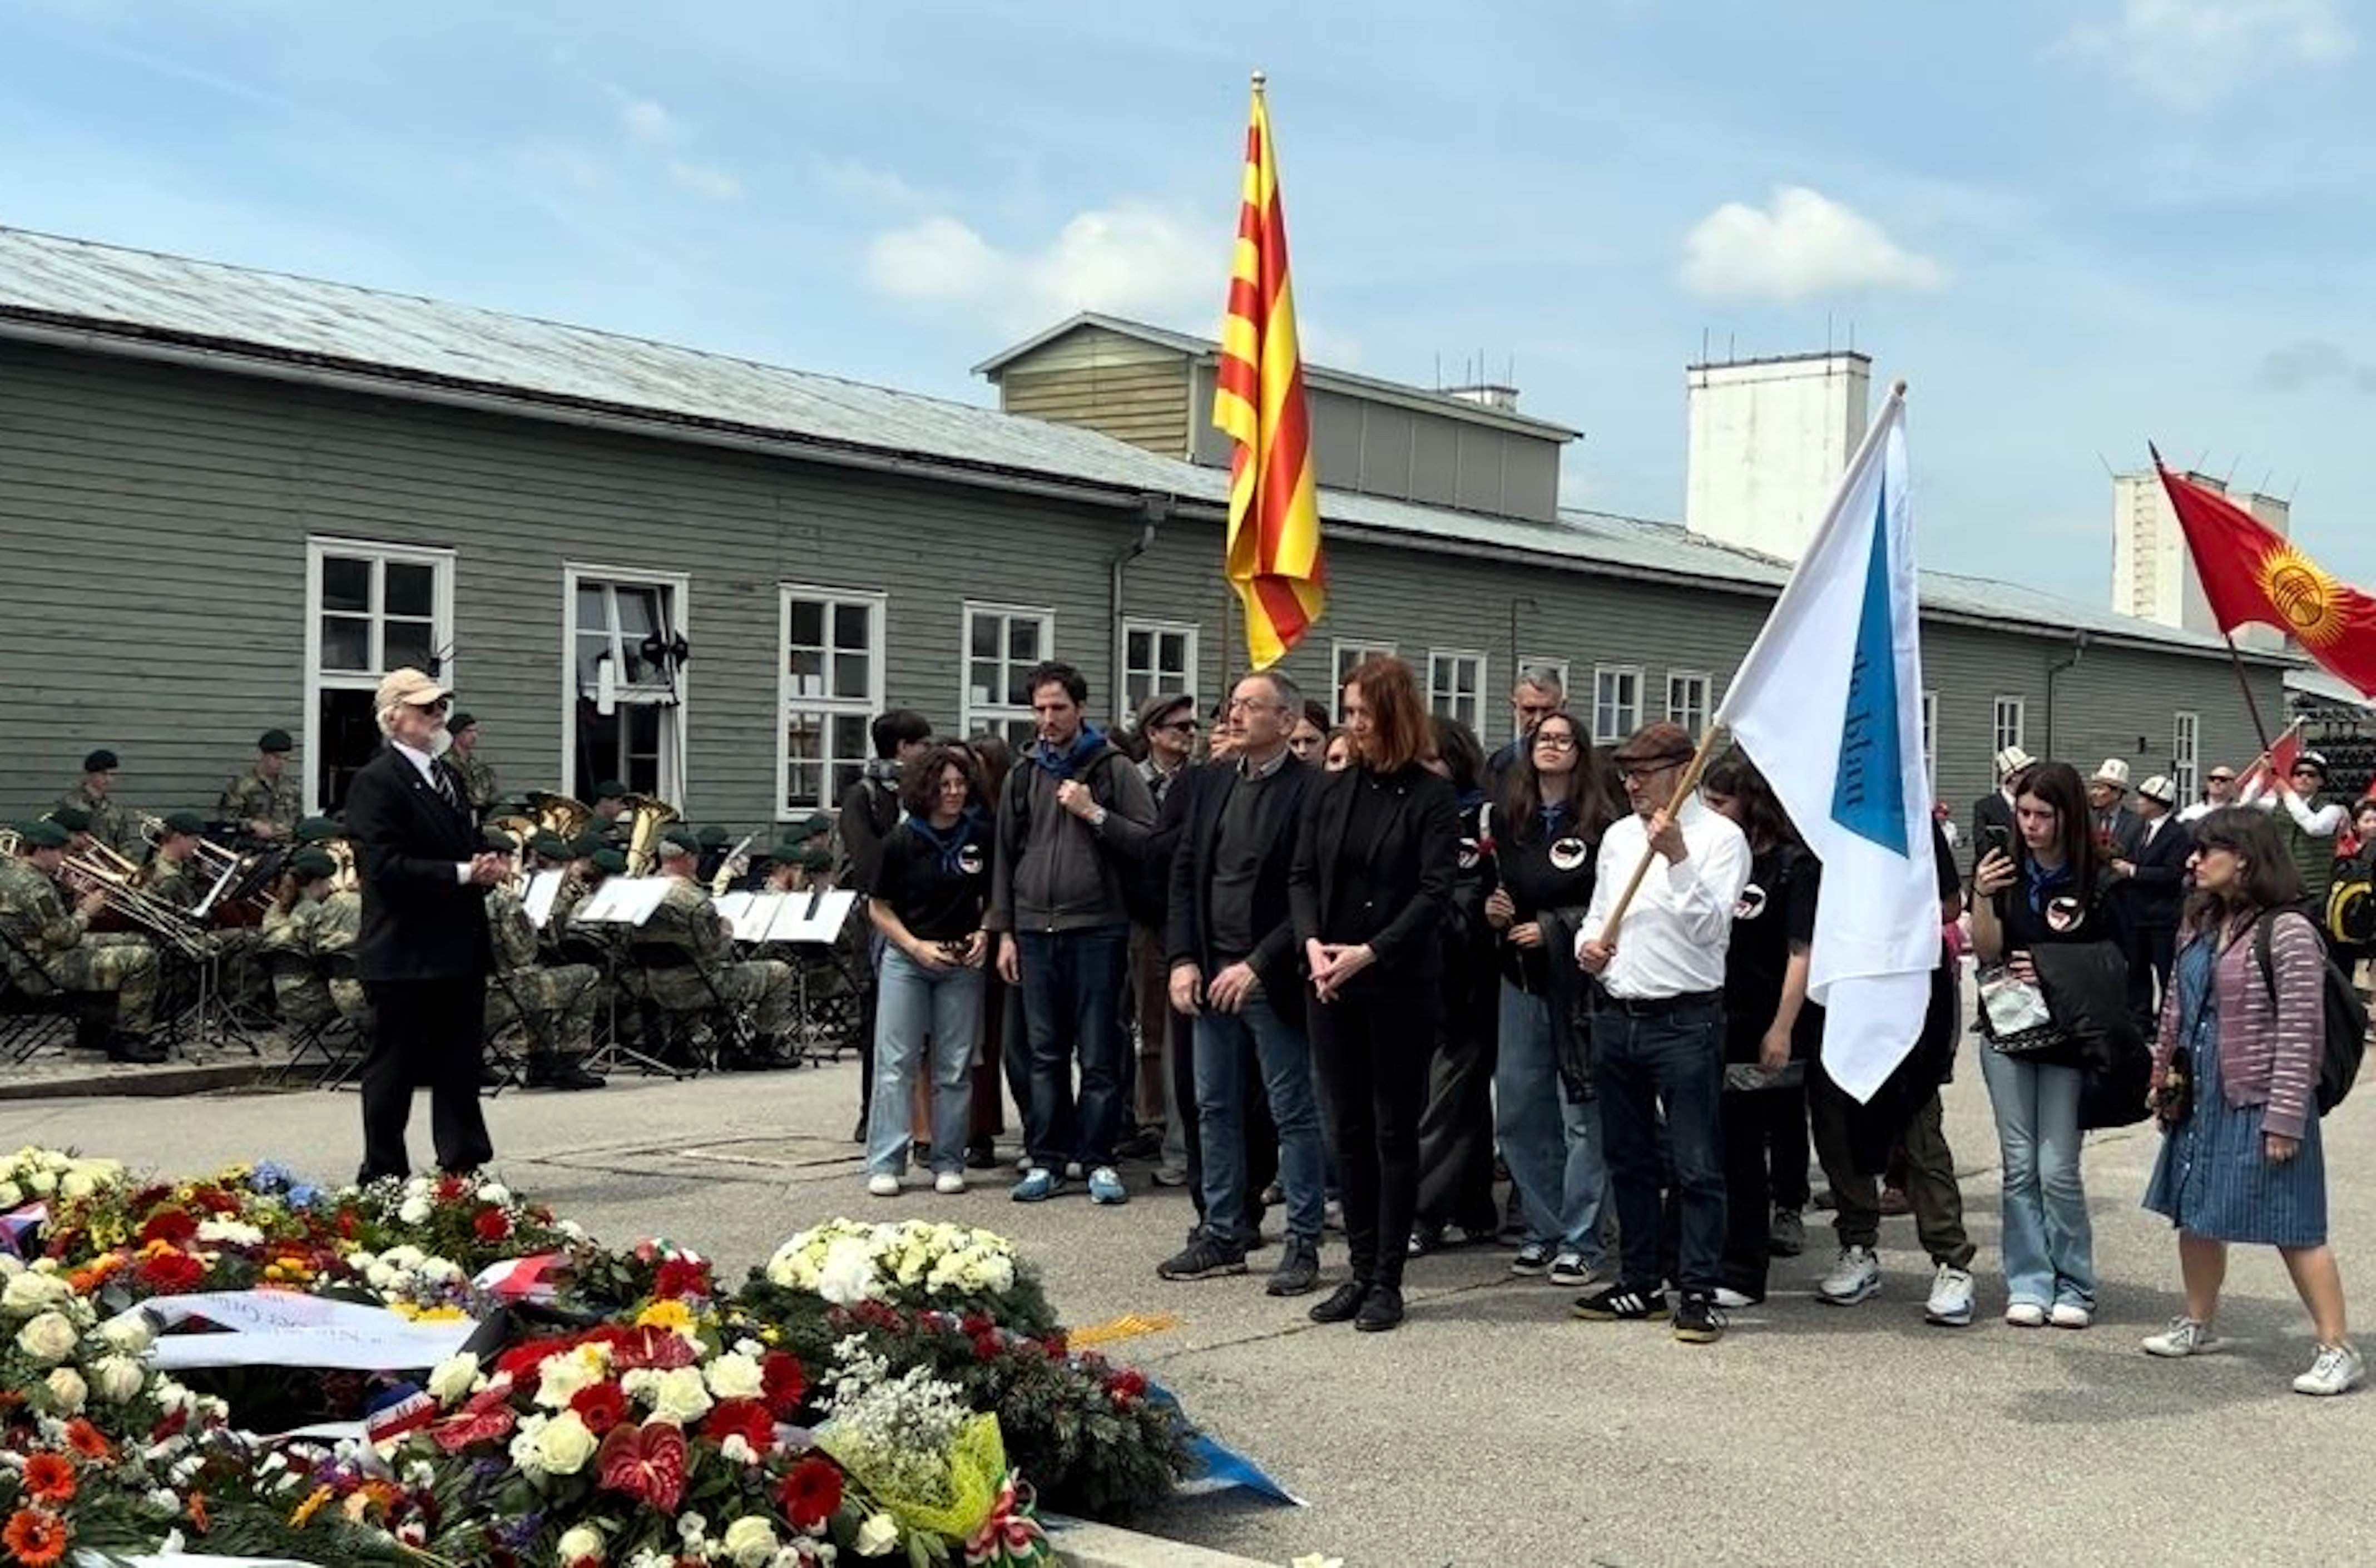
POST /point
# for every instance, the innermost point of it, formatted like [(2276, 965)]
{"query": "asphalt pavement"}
[(1494, 1430)]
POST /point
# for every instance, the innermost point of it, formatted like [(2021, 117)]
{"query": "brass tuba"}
[(558, 814), (647, 818)]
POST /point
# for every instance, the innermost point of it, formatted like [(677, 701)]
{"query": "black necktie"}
[(444, 787)]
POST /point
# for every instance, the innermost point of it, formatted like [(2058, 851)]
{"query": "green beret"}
[(611, 790), (41, 835), (585, 844), (459, 722), (549, 847), (800, 832), (185, 822), (611, 860), (711, 836), (316, 829), (818, 859), (275, 741), (100, 761), (683, 838), (74, 819), (311, 864), (495, 838)]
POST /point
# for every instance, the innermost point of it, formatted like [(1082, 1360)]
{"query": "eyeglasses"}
[(1640, 772), (1178, 726), (2222, 778), (1555, 742)]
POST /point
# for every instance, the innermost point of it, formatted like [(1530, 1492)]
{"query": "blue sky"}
[(2071, 224)]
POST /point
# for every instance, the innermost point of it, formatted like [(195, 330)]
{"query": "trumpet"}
[(647, 819)]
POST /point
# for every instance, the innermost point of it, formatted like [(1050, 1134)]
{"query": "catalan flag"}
[(1273, 559)]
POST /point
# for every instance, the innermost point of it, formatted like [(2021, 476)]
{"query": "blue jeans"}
[(1072, 988), (1551, 1143), (1641, 1063), (1284, 1057), (912, 1004), (2049, 1245)]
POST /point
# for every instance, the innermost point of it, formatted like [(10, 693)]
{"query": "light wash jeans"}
[(1284, 1058), (2049, 1247), (1551, 1143), (914, 1002)]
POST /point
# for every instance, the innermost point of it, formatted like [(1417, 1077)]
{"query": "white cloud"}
[(1130, 257), (2193, 52), (702, 180), (647, 122), (1803, 243)]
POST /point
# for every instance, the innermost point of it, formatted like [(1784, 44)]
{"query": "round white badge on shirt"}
[(969, 860), (1750, 904), (1568, 854)]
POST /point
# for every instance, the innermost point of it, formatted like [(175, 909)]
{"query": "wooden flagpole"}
[(1683, 787)]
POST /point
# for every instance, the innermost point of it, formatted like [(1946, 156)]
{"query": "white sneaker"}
[(949, 1184), (1854, 1279), (884, 1186), (1951, 1297), (2067, 1315), (2184, 1336), (2337, 1369), (1732, 1301), (2025, 1314)]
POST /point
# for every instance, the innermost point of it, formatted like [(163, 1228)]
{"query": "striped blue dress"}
[(2213, 1180)]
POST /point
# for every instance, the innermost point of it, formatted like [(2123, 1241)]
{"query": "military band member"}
[(706, 971), (76, 822), (337, 932), (480, 786), (611, 808), (553, 1004), (44, 944), (300, 985), (264, 801), (110, 823), (175, 875)]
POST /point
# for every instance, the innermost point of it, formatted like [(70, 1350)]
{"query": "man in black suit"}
[(423, 951), (2157, 879), (1230, 943), (2014, 767)]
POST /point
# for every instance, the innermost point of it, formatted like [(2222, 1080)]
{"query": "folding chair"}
[(324, 1044), (28, 1015)]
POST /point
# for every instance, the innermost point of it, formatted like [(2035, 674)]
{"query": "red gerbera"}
[(648, 1463), (492, 1225), (171, 1273), (89, 1443), (810, 1493), (50, 1478), (745, 1419), (600, 1406), (680, 1278), (170, 1225), (783, 1382), (37, 1538)]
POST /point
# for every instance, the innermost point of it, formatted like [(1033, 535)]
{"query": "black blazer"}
[(419, 922), (1414, 863), (1195, 800), (1992, 810), (2160, 879)]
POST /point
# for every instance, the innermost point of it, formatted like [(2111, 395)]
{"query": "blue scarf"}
[(949, 845), (1552, 816), (1063, 765), (2040, 884)]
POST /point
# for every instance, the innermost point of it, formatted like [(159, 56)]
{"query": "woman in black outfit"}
[(1374, 859), (1766, 1020), (1456, 1132)]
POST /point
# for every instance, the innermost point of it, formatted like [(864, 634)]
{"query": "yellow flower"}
[(313, 1505), (671, 1314)]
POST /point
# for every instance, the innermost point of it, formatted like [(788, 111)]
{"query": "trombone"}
[(218, 859), (99, 873)]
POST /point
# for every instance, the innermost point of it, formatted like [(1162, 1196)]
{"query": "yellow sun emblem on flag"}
[(2301, 591)]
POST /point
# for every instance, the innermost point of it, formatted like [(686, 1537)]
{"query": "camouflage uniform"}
[(251, 797), (480, 786), (301, 990), (183, 884), (687, 923), (336, 930), (109, 823), (559, 1000), (38, 923)]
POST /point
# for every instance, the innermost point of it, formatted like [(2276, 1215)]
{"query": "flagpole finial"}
[(1897, 387), (1261, 77)]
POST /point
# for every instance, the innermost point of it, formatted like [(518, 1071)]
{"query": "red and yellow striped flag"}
[(1273, 552)]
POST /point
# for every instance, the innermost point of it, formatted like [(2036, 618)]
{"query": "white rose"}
[(121, 1378), (452, 1380), (678, 1395), (68, 1391), (736, 1377), (751, 1541), (578, 1544), (564, 1446), (10, 1194), (30, 1292), (847, 1276), (48, 1339), (130, 1331), (75, 1185), (42, 1184), (414, 1210), (559, 1380), (877, 1536), (494, 1193), (525, 1453)]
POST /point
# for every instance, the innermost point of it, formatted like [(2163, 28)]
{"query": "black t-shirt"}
[(1540, 870), (938, 895), (2064, 911), (1774, 913)]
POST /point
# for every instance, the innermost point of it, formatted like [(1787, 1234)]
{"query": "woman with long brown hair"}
[(1374, 858)]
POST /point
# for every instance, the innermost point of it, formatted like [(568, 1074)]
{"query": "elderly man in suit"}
[(2156, 871), (423, 951)]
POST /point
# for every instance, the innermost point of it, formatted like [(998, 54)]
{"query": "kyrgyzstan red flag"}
[(2251, 573)]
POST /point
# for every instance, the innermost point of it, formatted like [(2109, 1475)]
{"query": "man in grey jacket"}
[(1073, 814)]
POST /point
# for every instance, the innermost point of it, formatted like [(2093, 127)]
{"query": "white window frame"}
[(1634, 671), (1124, 702), (1707, 682), (2185, 762), (1930, 739), (2018, 734), (318, 548), (1345, 656), (1567, 691), (675, 782), (878, 604), (977, 716), (1436, 697)]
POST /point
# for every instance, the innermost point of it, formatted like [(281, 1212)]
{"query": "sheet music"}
[(748, 915), (818, 916), (624, 900), (542, 889)]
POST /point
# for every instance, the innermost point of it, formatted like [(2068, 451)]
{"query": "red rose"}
[(1054, 1345), (173, 1226), (986, 1347), (745, 1419), (214, 1200), (680, 1278), (448, 1188), (600, 1406), (810, 1493), (172, 1272), (492, 1225), (975, 1325), (782, 1383), (1128, 1385)]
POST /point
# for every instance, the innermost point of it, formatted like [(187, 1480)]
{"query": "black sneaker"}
[(980, 1156), (1205, 1256), (1621, 1304), (1532, 1259), (1297, 1273), (1340, 1305), (1699, 1321), (1382, 1309)]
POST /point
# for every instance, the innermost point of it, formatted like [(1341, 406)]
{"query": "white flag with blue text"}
[(1829, 705)]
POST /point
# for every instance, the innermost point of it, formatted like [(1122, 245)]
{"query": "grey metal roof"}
[(109, 298), (2317, 685)]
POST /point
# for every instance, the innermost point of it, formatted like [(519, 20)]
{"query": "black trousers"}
[(1757, 1126), (432, 1032), (1786, 1149), (1370, 1049), (1455, 1131)]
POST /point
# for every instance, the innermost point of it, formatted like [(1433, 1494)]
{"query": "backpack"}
[(1146, 888), (2346, 1020)]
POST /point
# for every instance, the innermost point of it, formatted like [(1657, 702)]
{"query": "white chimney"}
[(1769, 440)]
